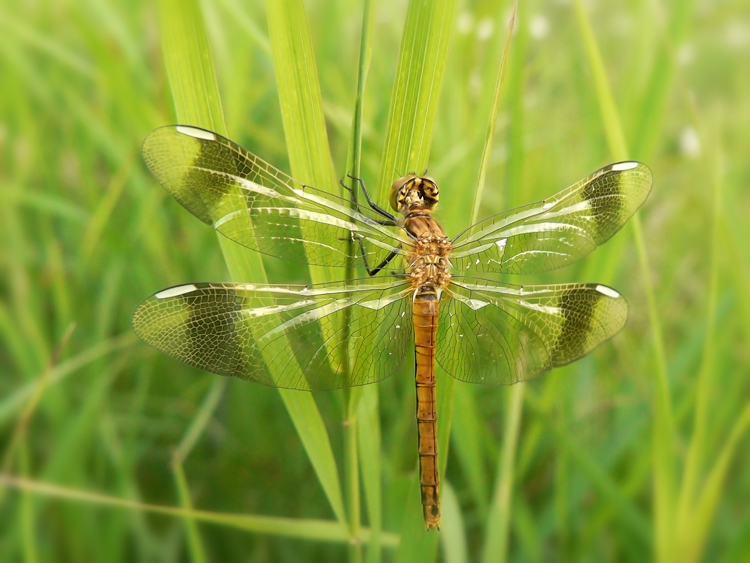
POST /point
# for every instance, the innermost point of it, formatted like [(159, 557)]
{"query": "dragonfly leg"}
[(391, 222), (374, 206), (379, 267)]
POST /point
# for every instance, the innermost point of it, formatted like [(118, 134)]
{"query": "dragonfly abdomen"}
[(425, 336)]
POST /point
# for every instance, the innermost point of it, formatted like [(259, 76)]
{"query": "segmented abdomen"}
[(425, 336)]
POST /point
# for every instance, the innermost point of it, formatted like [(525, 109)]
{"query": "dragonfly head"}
[(412, 192)]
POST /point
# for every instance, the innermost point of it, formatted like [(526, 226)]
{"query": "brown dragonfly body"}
[(425, 290), (429, 273)]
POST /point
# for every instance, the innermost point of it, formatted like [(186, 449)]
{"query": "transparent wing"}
[(295, 337), (502, 334), (557, 231), (251, 202)]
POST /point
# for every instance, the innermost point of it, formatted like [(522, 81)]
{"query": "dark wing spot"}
[(578, 309), (607, 204), (214, 340)]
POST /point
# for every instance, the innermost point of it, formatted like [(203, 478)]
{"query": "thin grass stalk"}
[(351, 472), (195, 544), (20, 431), (664, 433), (651, 113), (692, 523), (453, 540), (628, 513), (370, 452), (310, 529), (18, 451), (696, 455), (707, 502), (28, 514), (194, 432), (497, 545), (201, 419), (354, 165), (469, 443), (488, 140), (15, 401)]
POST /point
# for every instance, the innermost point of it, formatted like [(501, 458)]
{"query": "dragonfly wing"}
[(294, 337), (252, 203), (557, 231), (502, 334)]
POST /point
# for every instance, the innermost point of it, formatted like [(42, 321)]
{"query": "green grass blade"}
[(353, 448), (496, 544), (370, 454), (411, 120), (663, 433), (488, 141), (299, 95), (192, 79), (655, 96), (312, 431), (310, 159), (201, 419), (467, 437), (13, 402), (498, 524), (195, 543), (416, 91), (189, 66), (351, 470), (310, 529), (693, 544), (452, 531), (698, 500), (29, 514), (607, 108), (697, 454)]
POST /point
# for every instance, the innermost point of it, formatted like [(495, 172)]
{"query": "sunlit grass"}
[(635, 452)]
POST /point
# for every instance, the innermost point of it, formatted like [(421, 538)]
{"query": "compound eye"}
[(430, 190), (398, 192)]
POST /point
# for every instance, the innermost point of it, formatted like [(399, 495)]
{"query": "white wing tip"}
[(175, 291), (620, 166), (195, 132), (608, 291)]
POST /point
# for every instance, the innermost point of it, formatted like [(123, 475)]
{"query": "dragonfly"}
[(423, 291)]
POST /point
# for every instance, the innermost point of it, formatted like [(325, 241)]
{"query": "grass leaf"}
[(195, 91)]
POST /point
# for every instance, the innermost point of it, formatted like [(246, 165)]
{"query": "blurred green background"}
[(639, 451)]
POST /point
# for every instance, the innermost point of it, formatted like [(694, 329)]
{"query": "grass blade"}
[(663, 434), (370, 453), (498, 525), (452, 534), (319, 530), (408, 139), (662, 75), (310, 159), (416, 91), (488, 141), (195, 543), (195, 91)]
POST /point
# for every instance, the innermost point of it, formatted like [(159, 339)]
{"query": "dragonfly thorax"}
[(430, 265), (411, 193)]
